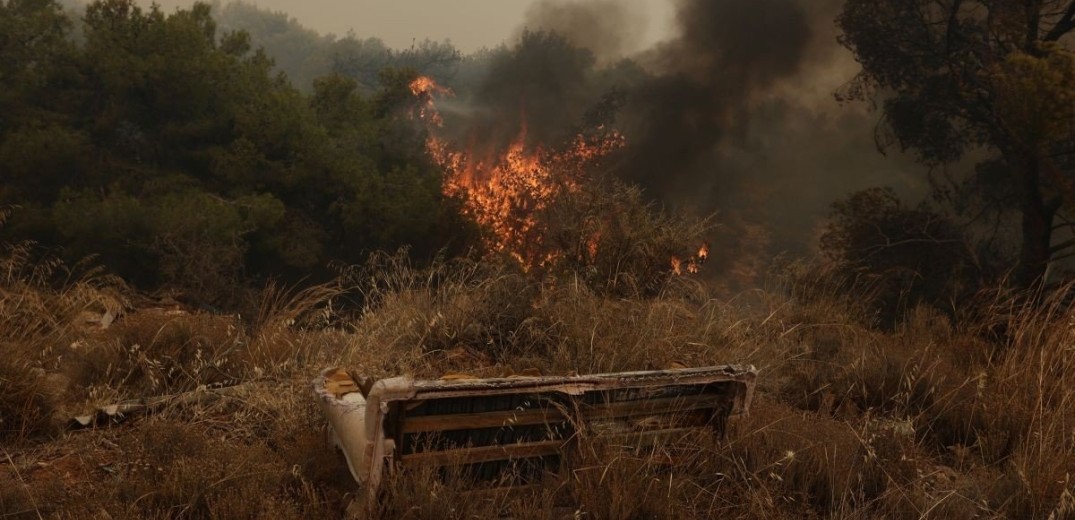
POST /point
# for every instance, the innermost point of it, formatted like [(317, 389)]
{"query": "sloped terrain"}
[(933, 419)]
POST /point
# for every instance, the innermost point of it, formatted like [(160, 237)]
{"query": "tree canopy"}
[(177, 153), (955, 76)]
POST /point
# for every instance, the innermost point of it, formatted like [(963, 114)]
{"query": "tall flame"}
[(505, 192)]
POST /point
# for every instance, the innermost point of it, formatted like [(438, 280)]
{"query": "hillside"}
[(936, 419), (201, 210)]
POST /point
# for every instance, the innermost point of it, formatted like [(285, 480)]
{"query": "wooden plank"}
[(475, 455), (668, 405), (466, 421), (484, 453), (339, 383)]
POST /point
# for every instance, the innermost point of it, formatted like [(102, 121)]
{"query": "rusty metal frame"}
[(365, 416)]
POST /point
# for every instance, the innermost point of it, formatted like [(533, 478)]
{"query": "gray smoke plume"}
[(734, 114), (707, 83), (739, 115), (728, 52), (607, 28)]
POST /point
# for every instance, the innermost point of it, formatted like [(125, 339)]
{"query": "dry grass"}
[(931, 419)]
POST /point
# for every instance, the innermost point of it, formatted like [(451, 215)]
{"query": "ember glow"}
[(692, 264), (505, 191), (425, 89)]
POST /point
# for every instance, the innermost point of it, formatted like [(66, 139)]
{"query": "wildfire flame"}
[(424, 85), (592, 246), (425, 89), (692, 264), (504, 192)]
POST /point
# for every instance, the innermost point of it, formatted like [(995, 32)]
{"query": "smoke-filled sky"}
[(469, 24), (738, 113)]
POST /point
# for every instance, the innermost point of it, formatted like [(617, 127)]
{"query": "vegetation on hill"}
[(934, 419), (178, 156), (177, 215)]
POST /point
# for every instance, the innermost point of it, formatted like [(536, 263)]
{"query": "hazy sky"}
[(469, 24)]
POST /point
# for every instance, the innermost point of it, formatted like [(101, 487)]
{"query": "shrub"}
[(609, 236), (42, 302), (909, 256)]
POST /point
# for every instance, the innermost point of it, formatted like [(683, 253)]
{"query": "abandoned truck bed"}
[(519, 427)]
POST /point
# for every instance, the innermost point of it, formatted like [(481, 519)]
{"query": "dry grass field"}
[(938, 417)]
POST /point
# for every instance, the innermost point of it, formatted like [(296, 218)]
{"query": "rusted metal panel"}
[(491, 423)]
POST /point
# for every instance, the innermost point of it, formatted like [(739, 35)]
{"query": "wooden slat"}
[(668, 405), (484, 453), (537, 449), (466, 421)]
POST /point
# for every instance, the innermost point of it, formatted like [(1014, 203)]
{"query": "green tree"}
[(34, 52), (36, 143), (961, 75), (180, 157)]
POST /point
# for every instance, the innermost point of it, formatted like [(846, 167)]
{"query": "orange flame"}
[(592, 247), (425, 89), (425, 85), (703, 253), (693, 264), (505, 192)]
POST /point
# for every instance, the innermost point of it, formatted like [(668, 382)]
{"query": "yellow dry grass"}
[(933, 419)]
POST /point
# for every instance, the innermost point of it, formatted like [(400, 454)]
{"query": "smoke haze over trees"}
[(773, 120), (736, 112), (149, 136), (979, 76)]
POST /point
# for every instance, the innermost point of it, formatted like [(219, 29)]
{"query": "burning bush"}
[(546, 208), (620, 243)]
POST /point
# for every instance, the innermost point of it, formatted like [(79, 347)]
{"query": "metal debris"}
[(516, 426)]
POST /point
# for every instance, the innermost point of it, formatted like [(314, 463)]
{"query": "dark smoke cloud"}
[(738, 116), (546, 78), (734, 114), (705, 87), (541, 83), (607, 28)]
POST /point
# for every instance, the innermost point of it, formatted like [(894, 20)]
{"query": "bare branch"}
[(1062, 246), (1063, 26)]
